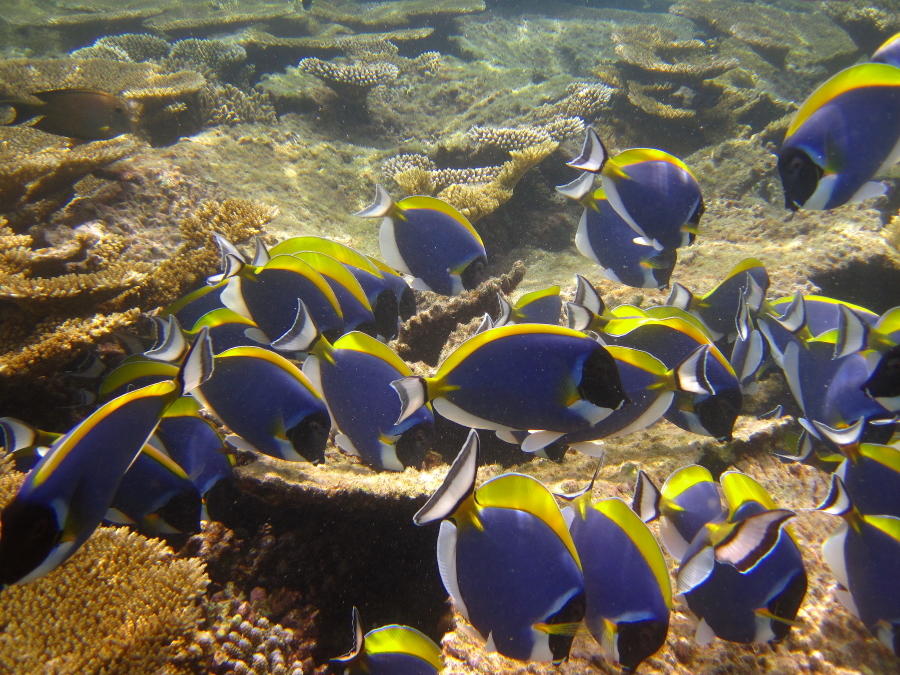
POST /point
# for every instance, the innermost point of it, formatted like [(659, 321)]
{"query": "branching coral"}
[(395, 14), (227, 104), (424, 335), (121, 604), (214, 58), (351, 81)]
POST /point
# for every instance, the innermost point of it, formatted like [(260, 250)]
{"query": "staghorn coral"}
[(123, 603), (96, 51), (423, 336), (351, 81)]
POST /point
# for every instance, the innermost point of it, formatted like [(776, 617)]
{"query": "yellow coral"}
[(121, 604)]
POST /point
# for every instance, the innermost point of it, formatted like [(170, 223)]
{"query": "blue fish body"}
[(157, 496), (655, 192), (888, 52), (841, 137), (227, 329), (430, 240), (527, 376), (268, 295), (628, 595), (67, 494), (390, 650), (191, 306), (354, 378), (728, 600), (871, 475), (263, 398), (607, 239), (398, 663), (195, 445), (542, 306)]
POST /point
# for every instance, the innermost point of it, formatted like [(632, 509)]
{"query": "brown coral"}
[(351, 81), (395, 14), (121, 604), (423, 336)]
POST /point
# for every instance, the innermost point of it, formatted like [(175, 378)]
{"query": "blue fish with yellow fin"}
[(606, 238), (268, 403), (520, 377), (871, 477), (844, 134), (651, 190), (864, 556), (541, 306), (69, 491), (628, 595), (430, 240), (744, 577), (354, 377), (507, 560), (689, 499), (888, 52), (390, 650)]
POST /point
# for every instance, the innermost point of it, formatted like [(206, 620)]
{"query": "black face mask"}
[(718, 413), (799, 177), (310, 436), (414, 443), (474, 274)]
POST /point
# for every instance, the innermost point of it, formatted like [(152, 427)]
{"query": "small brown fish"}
[(83, 114)]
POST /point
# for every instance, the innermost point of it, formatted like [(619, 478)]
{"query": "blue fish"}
[(842, 136), (357, 312), (521, 377), (69, 491), (857, 333), (864, 556), (386, 291), (507, 560), (429, 240), (719, 307), (651, 190), (268, 403), (689, 499), (606, 238), (354, 377), (628, 596), (888, 52), (191, 306), (744, 577), (390, 650), (268, 295), (542, 306), (871, 477)]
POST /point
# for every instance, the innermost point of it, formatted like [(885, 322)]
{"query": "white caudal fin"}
[(680, 297), (261, 254), (413, 393), (380, 206), (587, 296), (579, 188), (593, 154), (457, 486), (646, 498), (198, 364), (691, 373), (170, 343), (302, 334), (853, 333)]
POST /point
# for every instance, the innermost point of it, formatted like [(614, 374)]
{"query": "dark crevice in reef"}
[(872, 284), (320, 555)]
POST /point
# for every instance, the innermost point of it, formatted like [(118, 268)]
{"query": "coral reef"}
[(424, 335), (123, 603), (395, 14), (350, 81)]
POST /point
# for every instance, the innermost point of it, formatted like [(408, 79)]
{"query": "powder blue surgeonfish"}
[(844, 134), (541, 306), (689, 499), (268, 403), (871, 476), (354, 377), (606, 238), (627, 591), (389, 650), (651, 190), (507, 560), (864, 556), (889, 51), (68, 492), (744, 577), (429, 240), (532, 377)]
